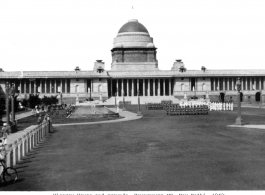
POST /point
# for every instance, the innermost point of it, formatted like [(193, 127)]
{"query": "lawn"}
[(61, 119), (156, 152)]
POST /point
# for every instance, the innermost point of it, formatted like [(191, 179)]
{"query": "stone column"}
[(218, 84), (45, 86), (213, 84), (233, 86), (122, 87), (263, 83), (143, 87), (65, 85), (223, 83), (20, 87), (7, 109), (50, 86), (25, 86), (259, 83), (132, 87), (164, 87), (137, 88), (35, 86), (154, 87), (127, 87), (148, 89), (246, 83), (30, 87), (13, 119), (169, 87), (110, 88), (158, 87), (40, 85), (117, 87), (255, 83)]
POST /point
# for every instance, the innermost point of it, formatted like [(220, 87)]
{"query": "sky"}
[(52, 35)]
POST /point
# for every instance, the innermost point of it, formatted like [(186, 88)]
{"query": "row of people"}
[(221, 106), (187, 110)]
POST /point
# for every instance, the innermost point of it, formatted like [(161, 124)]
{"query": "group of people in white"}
[(229, 106), (213, 106)]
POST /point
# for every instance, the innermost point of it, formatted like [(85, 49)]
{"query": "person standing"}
[(4, 132)]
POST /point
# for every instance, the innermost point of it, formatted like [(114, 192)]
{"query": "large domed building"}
[(133, 48), (135, 70)]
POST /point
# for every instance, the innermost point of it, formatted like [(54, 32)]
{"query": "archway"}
[(257, 97), (222, 97), (203, 86)]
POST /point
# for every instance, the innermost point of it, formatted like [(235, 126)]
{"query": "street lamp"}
[(238, 119), (138, 94)]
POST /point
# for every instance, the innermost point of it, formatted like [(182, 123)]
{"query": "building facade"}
[(134, 69)]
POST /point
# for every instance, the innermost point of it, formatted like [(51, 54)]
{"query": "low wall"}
[(22, 142)]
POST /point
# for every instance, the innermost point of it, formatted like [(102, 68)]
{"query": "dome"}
[(133, 26), (150, 45), (118, 45)]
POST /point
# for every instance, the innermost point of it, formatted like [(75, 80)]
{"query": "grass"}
[(61, 119), (156, 152)]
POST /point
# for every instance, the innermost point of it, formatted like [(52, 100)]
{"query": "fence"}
[(26, 141)]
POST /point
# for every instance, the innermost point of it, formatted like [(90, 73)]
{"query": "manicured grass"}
[(61, 119), (156, 152)]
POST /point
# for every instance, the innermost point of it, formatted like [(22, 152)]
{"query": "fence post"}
[(19, 149), (8, 156)]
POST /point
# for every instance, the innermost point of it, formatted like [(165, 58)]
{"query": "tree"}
[(34, 100), (2, 105)]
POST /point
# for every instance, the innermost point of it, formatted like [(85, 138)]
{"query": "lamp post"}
[(138, 94), (238, 119)]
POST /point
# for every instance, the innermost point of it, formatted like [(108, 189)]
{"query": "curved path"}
[(128, 116)]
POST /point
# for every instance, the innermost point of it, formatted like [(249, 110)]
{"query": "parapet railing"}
[(26, 141)]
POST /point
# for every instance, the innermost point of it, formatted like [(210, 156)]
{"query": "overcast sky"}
[(62, 34)]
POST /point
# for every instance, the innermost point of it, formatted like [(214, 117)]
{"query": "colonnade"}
[(42, 85), (145, 87), (229, 83)]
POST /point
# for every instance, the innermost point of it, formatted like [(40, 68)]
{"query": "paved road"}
[(156, 152)]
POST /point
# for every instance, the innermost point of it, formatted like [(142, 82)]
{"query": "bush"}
[(49, 100), (34, 100)]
